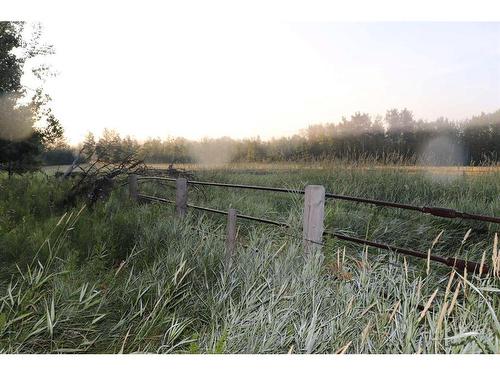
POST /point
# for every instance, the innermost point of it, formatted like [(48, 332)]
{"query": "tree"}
[(88, 146), (401, 131), (25, 128), (108, 148)]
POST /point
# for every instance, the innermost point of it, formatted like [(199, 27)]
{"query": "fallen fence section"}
[(456, 263), (443, 212)]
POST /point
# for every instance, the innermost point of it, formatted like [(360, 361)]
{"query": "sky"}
[(205, 78)]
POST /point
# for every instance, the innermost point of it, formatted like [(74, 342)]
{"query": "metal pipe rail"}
[(213, 210), (456, 263), (447, 213)]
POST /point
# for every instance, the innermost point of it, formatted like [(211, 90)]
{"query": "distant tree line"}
[(396, 137)]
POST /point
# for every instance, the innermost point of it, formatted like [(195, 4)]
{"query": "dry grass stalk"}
[(365, 333), (337, 270), (442, 313), (454, 299), (466, 236), (430, 249), (450, 280), (349, 305), (481, 266), (427, 305), (368, 308), (343, 349), (394, 310)]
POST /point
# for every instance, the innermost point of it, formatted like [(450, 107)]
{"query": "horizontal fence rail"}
[(215, 211), (442, 212), (456, 263)]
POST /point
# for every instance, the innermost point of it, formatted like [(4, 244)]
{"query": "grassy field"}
[(271, 167), (120, 277)]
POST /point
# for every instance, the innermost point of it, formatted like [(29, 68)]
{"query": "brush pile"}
[(95, 180)]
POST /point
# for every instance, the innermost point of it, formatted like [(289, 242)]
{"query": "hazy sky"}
[(150, 78)]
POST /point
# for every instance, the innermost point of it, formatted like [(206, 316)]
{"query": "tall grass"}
[(123, 278)]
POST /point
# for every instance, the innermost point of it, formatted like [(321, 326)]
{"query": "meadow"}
[(123, 277)]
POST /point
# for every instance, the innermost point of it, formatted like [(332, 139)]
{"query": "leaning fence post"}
[(231, 234), (314, 214), (132, 186), (180, 197)]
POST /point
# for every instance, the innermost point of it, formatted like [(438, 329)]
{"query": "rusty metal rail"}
[(456, 263), (442, 212)]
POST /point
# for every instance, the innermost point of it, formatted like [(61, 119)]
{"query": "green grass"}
[(119, 277)]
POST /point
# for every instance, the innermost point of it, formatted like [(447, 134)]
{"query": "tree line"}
[(396, 137)]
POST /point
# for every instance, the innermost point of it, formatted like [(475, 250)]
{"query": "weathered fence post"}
[(132, 186), (231, 234), (314, 214), (180, 197)]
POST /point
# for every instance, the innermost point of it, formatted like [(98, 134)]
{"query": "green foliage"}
[(21, 141), (11, 72), (398, 138)]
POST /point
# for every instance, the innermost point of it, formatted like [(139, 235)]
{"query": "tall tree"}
[(22, 139)]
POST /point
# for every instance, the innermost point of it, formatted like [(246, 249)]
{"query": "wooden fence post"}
[(232, 214), (132, 186), (314, 214), (180, 197)]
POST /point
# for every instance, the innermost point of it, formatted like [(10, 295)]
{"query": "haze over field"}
[(191, 183), (159, 79)]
